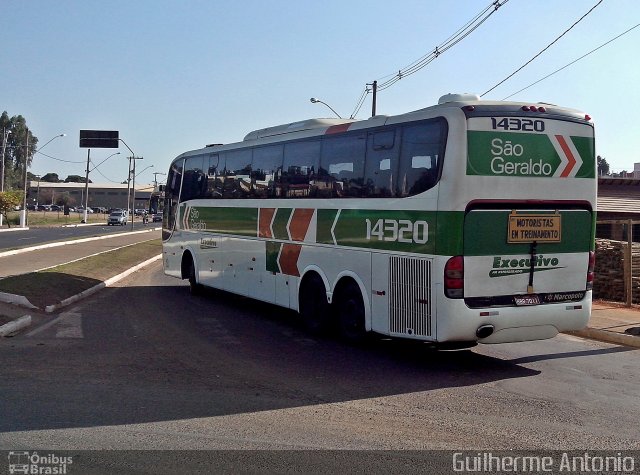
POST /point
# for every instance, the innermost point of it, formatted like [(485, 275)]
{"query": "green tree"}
[(75, 179), (17, 153), (603, 166), (51, 178), (8, 202)]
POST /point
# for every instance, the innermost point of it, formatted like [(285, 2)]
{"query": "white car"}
[(117, 217)]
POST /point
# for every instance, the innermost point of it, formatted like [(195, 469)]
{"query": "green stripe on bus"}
[(235, 221), (393, 230), (272, 252), (280, 222), (587, 150), (485, 233), (449, 237), (325, 219)]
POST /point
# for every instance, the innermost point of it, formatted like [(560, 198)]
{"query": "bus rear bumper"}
[(513, 324), (509, 335)]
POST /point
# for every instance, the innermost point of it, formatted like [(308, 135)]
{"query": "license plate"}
[(523, 300), (524, 228)]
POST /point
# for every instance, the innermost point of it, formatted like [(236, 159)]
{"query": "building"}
[(618, 200), (100, 195)]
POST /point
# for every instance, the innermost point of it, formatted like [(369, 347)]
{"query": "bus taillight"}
[(591, 270), (454, 278)]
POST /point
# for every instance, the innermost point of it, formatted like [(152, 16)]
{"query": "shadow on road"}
[(156, 353)]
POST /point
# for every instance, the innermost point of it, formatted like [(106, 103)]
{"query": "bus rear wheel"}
[(314, 307), (351, 315)]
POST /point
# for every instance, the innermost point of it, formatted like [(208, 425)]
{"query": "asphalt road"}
[(34, 260), (147, 366), (35, 236)]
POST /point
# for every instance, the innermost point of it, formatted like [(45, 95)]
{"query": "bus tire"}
[(314, 306), (194, 287), (351, 314)]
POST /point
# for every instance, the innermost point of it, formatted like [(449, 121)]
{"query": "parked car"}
[(117, 217), (157, 218), (55, 208), (44, 207)]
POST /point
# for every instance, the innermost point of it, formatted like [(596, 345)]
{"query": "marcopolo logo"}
[(505, 267)]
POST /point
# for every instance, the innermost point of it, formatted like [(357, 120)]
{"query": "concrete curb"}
[(16, 300), (16, 325), (110, 281), (8, 230), (607, 337)]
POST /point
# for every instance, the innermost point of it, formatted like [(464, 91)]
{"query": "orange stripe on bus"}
[(299, 224), (337, 129), (289, 259), (264, 222)]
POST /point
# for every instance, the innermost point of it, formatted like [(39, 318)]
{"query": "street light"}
[(23, 213), (314, 101)]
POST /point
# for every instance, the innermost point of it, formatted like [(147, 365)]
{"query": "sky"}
[(173, 76)]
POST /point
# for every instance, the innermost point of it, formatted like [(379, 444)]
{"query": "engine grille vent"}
[(410, 296)]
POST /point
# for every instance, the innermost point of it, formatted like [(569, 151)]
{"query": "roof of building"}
[(618, 197), (106, 186)]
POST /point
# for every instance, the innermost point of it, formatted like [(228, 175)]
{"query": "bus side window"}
[(237, 182), (381, 166), (172, 195), (298, 175), (266, 162), (194, 181), (422, 148), (212, 170), (342, 165)]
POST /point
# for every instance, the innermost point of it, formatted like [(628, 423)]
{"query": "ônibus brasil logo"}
[(505, 267)]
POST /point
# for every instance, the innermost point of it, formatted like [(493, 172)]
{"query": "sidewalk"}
[(614, 323)]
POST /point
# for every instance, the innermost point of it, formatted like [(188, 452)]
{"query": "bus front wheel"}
[(314, 307), (194, 287), (351, 315)]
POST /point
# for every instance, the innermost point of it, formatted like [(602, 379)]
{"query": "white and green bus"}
[(469, 221)]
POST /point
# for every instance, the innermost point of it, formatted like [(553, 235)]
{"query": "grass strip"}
[(51, 286)]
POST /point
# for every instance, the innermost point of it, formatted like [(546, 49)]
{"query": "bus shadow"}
[(153, 354)]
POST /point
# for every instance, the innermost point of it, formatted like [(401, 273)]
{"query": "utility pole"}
[(155, 180), (133, 204), (86, 189), (23, 213), (375, 96), (5, 135)]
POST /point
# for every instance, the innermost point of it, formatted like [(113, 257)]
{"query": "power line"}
[(58, 159), (572, 62), (543, 50), (389, 80)]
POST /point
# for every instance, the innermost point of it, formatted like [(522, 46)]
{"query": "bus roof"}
[(471, 104)]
